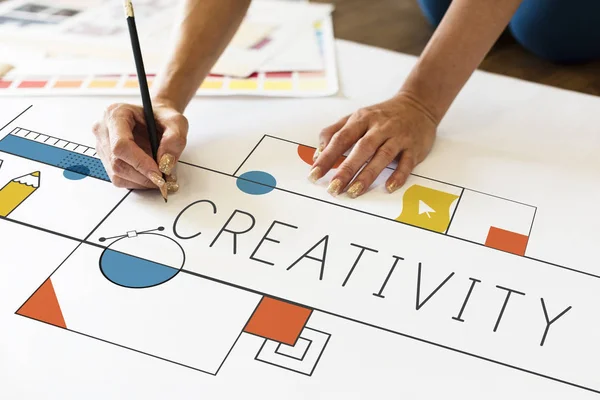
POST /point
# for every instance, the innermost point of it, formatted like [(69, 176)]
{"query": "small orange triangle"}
[(43, 306)]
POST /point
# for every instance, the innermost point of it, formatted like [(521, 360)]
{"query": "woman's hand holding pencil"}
[(140, 146), (123, 145)]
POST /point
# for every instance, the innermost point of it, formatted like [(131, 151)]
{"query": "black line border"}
[(117, 344), (294, 358), (301, 305), (123, 346), (15, 118)]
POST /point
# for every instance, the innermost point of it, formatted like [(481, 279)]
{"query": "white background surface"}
[(506, 137)]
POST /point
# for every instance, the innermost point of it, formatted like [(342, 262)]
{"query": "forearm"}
[(457, 47), (205, 28)]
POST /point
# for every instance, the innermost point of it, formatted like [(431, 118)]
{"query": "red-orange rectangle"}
[(32, 84), (278, 320), (508, 241), (280, 75)]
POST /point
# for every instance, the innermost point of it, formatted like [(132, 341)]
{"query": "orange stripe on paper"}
[(68, 84), (508, 241), (278, 320), (132, 83), (43, 306)]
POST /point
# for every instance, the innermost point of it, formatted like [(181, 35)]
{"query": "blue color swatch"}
[(134, 272), (256, 182), (76, 172), (51, 155)]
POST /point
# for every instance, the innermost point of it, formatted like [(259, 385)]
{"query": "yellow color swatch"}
[(17, 191), (243, 84), (278, 85), (131, 84), (134, 83), (103, 84), (426, 208), (212, 84), (313, 84), (68, 84)]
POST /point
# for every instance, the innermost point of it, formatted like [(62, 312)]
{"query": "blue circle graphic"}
[(125, 264), (256, 182), (76, 172)]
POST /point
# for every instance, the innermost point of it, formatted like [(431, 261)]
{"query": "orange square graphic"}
[(278, 320), (508, 241)]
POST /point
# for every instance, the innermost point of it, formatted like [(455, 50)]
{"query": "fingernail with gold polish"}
[(172, 187), (355, 189), (315, 174), (157, 179), (334, 187), (166, 164), (392, 186), (318, 152)]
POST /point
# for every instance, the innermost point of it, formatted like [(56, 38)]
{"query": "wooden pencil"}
[(143, 82)]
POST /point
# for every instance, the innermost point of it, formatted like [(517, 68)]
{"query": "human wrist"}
[(168, 94), (172, 87), (434, 84), (163, 100), (412, 97)]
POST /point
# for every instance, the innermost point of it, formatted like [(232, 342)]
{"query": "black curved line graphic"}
[(143, 287)]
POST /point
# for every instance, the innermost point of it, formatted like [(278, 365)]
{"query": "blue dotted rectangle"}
[(55, 156)]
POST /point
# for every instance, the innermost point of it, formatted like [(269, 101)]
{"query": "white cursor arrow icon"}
[(425, 209)]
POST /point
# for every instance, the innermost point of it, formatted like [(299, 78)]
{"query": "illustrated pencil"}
[(145, 92), (17, 191)]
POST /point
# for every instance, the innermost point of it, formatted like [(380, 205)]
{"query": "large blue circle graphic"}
[(125, 262)]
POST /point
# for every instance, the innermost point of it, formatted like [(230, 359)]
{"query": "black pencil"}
[(141, 73)]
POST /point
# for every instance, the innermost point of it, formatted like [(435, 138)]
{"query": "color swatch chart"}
[(271, 84)]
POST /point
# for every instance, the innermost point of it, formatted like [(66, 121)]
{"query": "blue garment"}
[(563, 31)]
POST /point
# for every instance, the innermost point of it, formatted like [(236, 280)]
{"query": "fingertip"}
[(318, 151), (315, 174), (156, 179), (356, 189), (335, 187), (392, 185), (172, 187), (166, 163)]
